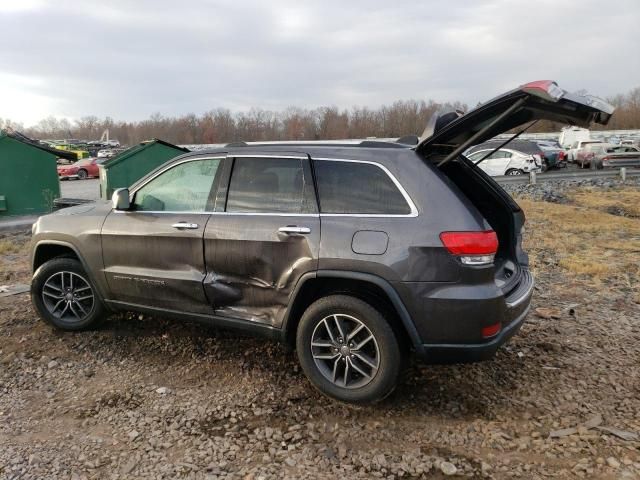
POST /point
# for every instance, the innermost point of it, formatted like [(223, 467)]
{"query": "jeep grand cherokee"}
[(355, 254)]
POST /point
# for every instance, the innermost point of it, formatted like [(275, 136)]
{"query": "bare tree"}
[(219, 125)]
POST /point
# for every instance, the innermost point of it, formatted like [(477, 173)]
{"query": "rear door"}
[(266, 238), (153, 253)]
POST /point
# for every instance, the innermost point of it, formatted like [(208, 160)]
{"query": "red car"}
[(85, 168)]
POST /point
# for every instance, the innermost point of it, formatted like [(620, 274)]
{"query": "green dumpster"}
[(28, 176), (128, 167)]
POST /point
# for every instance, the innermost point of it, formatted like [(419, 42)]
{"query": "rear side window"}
[(357, 188), (270, 185)]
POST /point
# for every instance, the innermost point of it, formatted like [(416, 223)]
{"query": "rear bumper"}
[(463, 342), (463, 353)]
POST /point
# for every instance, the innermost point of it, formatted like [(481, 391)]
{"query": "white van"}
[(570, 135)]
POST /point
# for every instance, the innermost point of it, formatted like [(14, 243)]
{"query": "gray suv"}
[(355, 254)]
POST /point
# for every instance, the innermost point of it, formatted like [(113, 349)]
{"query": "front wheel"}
[(64, 296), (514, 171), (348, 350)]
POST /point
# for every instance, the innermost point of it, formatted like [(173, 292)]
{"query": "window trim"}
[(413, 211), (412, 206)]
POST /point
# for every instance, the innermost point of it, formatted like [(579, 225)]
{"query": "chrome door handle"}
[(293, 229), (185, 225)]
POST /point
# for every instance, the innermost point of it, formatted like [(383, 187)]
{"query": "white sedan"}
[(506, 162)]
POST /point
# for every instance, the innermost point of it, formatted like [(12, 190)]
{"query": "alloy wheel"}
[(345, 351), (68, 296)]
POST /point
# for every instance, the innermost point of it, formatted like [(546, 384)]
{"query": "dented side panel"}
[(148, 262), (252, 268)]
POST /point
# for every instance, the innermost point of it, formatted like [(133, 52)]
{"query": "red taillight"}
[(491, 330), (470, 243), (473, 248), (544, 88)]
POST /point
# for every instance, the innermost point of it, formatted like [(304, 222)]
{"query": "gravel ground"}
[(88, 189), (556, 191), (145, 397)]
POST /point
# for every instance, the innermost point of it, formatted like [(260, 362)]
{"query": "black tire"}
[(389, 357), (545, 165), (81, 313), (82, 174), (514, 171)]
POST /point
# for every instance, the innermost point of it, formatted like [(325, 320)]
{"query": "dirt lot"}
[(150, 398)]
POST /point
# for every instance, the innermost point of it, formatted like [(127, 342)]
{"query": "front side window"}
[(270, 185), (357, 188), (183, 188)]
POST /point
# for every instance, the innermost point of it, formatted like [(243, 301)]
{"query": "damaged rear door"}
[(266, 238)]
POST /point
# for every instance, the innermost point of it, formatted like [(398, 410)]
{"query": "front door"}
[(153, 253), (267, 237)]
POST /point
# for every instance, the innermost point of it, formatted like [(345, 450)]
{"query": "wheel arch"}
[(45, 250), (368, 287)]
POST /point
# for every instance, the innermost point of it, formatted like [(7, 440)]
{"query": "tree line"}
[(221, 125)]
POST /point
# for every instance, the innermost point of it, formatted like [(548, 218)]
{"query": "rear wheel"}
[(82, 174), (514, 171), (348, 350), (64, 296)]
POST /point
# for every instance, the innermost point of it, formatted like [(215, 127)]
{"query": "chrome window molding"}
[(257, 214), (413, 211), (412, 207)]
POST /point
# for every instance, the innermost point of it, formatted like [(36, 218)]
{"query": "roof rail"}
[(386, 143)]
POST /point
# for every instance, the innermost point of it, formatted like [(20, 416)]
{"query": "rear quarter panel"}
[(414, 252)]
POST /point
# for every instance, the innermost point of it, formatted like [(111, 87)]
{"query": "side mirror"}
[(120, 199)]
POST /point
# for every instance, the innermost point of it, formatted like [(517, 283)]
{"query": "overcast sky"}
[(128, 59)]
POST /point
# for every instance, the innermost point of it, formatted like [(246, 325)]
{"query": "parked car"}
[(550, 157), (573, 153), (81, 169), (621, 156), (354, 254), (506, 161), (106, 153), (554, 155), (589, 150)]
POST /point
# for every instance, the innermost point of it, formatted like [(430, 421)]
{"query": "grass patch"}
[(583, 239), (9, 246), (624, 200)]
